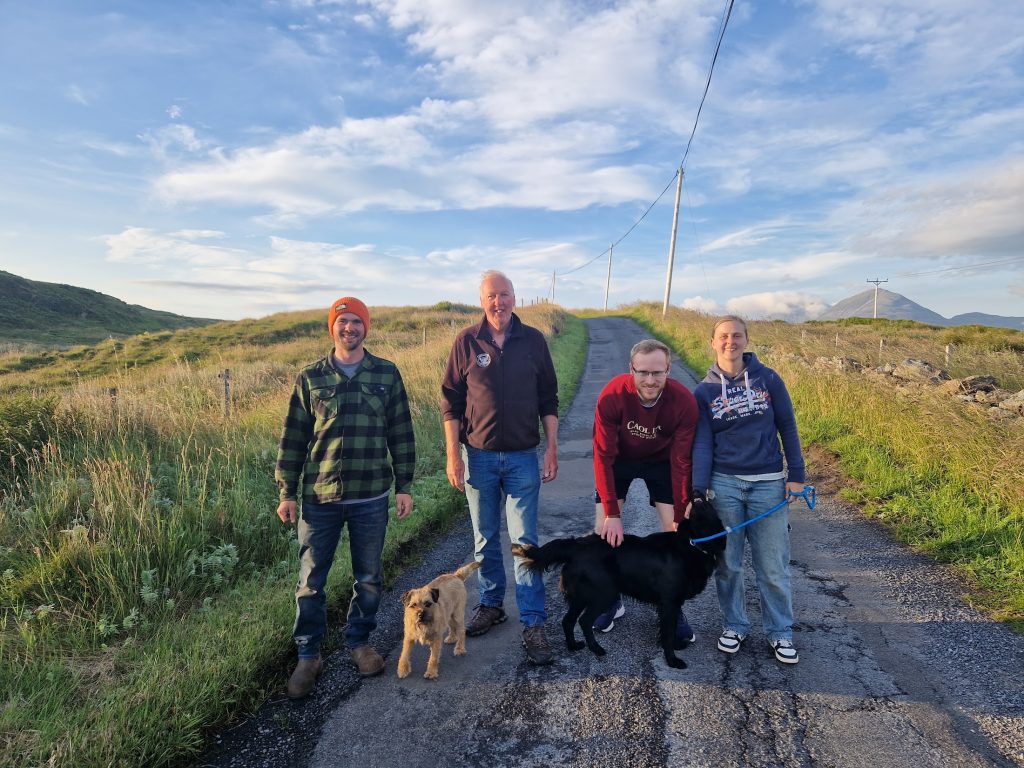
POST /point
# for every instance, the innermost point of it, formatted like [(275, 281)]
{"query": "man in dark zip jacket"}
[(499, 384)]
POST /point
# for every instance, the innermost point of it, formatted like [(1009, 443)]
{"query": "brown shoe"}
[(367, 660), (304, 678), (486, 616), (535, 640)]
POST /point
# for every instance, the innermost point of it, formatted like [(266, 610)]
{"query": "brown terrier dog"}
[(429, 611)]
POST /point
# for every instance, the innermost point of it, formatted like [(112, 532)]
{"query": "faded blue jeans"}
[(737, 501), (319, 533), (512, 478)]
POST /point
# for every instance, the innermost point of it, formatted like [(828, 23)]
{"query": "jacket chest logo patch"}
[(483, 360)]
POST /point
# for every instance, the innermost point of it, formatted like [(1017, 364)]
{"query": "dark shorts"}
[(657, 476)]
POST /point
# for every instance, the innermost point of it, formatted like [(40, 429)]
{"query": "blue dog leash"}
[(809, 494)]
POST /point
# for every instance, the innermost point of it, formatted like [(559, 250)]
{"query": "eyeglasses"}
[(656, 375)]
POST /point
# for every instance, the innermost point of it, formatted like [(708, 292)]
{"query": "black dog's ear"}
[(435, 593), (407, 597)]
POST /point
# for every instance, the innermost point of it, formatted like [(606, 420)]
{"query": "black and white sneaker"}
[(729, 641), (606, 621), (784, 651)]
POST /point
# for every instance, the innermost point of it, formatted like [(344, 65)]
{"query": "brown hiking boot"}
[(535, 640), (367, 660), (486, 616), (304, 678)]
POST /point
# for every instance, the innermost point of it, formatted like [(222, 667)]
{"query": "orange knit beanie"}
[(348, 304)]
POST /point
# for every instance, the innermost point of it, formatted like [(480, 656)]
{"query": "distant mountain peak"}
[(895, 306)]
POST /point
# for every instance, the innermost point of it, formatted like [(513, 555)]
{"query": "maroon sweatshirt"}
[(624, 430)]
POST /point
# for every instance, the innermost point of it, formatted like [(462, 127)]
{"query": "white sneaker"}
[(606, 621), (729, 641), (784, 651)]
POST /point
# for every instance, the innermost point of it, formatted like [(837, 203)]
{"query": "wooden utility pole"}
[(608, 280), (672, 243), (876, 281)]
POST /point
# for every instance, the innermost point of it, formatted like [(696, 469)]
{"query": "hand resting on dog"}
[(663, 569)]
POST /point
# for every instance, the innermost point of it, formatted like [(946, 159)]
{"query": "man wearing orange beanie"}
[(352, 305), (348, 411)]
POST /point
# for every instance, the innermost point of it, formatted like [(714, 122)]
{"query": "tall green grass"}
[(940, 474), (145, 580)]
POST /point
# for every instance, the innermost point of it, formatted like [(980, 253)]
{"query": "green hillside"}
[(55, 315)]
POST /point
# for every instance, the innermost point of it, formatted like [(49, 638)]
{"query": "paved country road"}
[(895, 669)]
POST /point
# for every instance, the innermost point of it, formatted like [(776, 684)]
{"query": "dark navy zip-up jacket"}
[(499, 395)]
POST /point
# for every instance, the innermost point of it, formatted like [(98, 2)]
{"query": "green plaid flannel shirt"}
[(338, 432)]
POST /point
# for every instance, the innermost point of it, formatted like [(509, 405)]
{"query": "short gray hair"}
[(495, 274), (647, 346)]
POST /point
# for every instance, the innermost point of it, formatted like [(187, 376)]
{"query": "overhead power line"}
[(961, 268), (707, 85)]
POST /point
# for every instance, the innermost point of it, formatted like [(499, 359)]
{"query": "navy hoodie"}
[(739, 424)]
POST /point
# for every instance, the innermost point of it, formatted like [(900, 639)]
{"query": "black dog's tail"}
[(555, 552)]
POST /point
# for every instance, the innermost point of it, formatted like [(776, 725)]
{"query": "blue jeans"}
[(737, 501), (319, 533), (512, 478)]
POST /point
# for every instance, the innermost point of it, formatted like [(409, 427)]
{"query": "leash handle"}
[(809, 494)]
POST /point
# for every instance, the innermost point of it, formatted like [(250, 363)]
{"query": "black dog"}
[(663, 569)]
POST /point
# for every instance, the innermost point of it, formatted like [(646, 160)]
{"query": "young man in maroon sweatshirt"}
[(643, 429)]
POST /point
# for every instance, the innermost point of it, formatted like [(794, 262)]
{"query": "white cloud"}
[(116, 149), (777, 305), (199, 234), (947, 42), (747, 237), (700, 304), (537, 106), (201, 259), (967, 211), (399, 163), (78, 95), (177, 250), (167, 142), (174, 111)]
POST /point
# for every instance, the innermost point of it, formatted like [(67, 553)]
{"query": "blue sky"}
[(233, 159)]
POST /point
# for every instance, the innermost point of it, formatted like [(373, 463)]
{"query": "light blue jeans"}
[(319, 533), (737, 501), (511, 479)]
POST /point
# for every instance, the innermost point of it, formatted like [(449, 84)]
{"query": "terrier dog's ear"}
[(406, 598), (435, 593)]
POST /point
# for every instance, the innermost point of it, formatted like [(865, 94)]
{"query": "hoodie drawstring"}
[(746, 384), (750, 395)]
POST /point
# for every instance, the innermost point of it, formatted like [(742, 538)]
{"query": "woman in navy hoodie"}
[(744, 410)]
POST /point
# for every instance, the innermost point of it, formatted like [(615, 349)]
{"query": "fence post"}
[(113, 405), (881, 347), (837, 341), (803, 335), (948, 349), (226, 376)]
